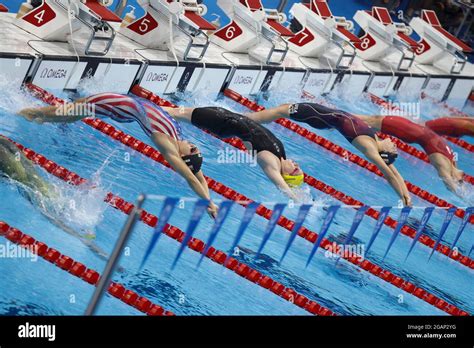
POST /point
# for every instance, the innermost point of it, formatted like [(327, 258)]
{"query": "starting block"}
[(321, 30), (58, 20), (384, 37), (251, 27), (155, 28), (437, 44)]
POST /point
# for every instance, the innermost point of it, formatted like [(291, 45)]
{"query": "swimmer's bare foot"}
[(28, 113)]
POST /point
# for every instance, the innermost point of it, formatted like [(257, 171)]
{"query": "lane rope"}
[(229, 193), (79, 270), (346, 199), (289, 224), (179, 235)]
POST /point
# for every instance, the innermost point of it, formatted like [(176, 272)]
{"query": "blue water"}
[(40, 288)]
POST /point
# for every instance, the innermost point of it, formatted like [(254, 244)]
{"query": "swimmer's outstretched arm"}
[(393, 177), (272, 168), (270, 115), (202, 180), (444, 168), (403, 185), (171, 154)]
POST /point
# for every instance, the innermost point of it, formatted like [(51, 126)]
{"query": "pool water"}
[(40, 288)]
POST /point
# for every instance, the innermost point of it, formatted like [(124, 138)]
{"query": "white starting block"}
[(437, 44), (162, 16), (384, 37), (251, 26), (321, 30), (53, 20)]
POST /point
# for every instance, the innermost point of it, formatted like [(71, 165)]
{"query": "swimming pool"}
[(212, 289)]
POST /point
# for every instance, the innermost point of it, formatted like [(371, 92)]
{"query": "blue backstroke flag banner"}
[(402, 219), (447, 221), (224, 209), (424, 220), (355, 225), (303, 212), (463, 225), (277, 211), (378, 226), (199, 209), (246, 219), (326, 224), (168, 207)]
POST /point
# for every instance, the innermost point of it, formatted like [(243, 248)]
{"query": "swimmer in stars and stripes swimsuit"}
[(154, 121), (125, 109)]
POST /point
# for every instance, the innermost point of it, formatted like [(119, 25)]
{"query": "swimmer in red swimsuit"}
[(381, 152), (155, 121), (452, 126), (440, 154)]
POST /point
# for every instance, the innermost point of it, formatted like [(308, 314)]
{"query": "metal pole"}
[(120, 7), (115, 257), (282, 5)]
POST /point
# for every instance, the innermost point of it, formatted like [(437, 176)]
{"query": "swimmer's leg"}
[(269, 115), (468, 127), (69, 112), (373, 121), (181, 113)]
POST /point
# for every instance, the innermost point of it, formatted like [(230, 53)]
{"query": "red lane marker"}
[(461, 143), (287, 223), (177, 234), (79, 270), (346, 199), (265, 212)]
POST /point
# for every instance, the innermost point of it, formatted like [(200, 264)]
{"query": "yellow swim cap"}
[(294, 180)]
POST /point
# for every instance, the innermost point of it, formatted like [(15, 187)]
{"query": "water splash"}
[(13, 100), (93, 85), (466, 192), (303, 194), (281, 93)]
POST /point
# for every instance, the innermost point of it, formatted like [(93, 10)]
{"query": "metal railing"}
[(114, 259)]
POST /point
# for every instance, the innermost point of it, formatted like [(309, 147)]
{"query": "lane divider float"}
[(289, 224), (79, 270), (348, 200), (195, 244), (231, 194)]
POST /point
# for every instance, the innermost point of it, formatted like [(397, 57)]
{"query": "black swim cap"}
[(388, 157), (194, 162)]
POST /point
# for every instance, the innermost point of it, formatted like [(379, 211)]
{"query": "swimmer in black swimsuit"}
[(269, 150), (381, 152)]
